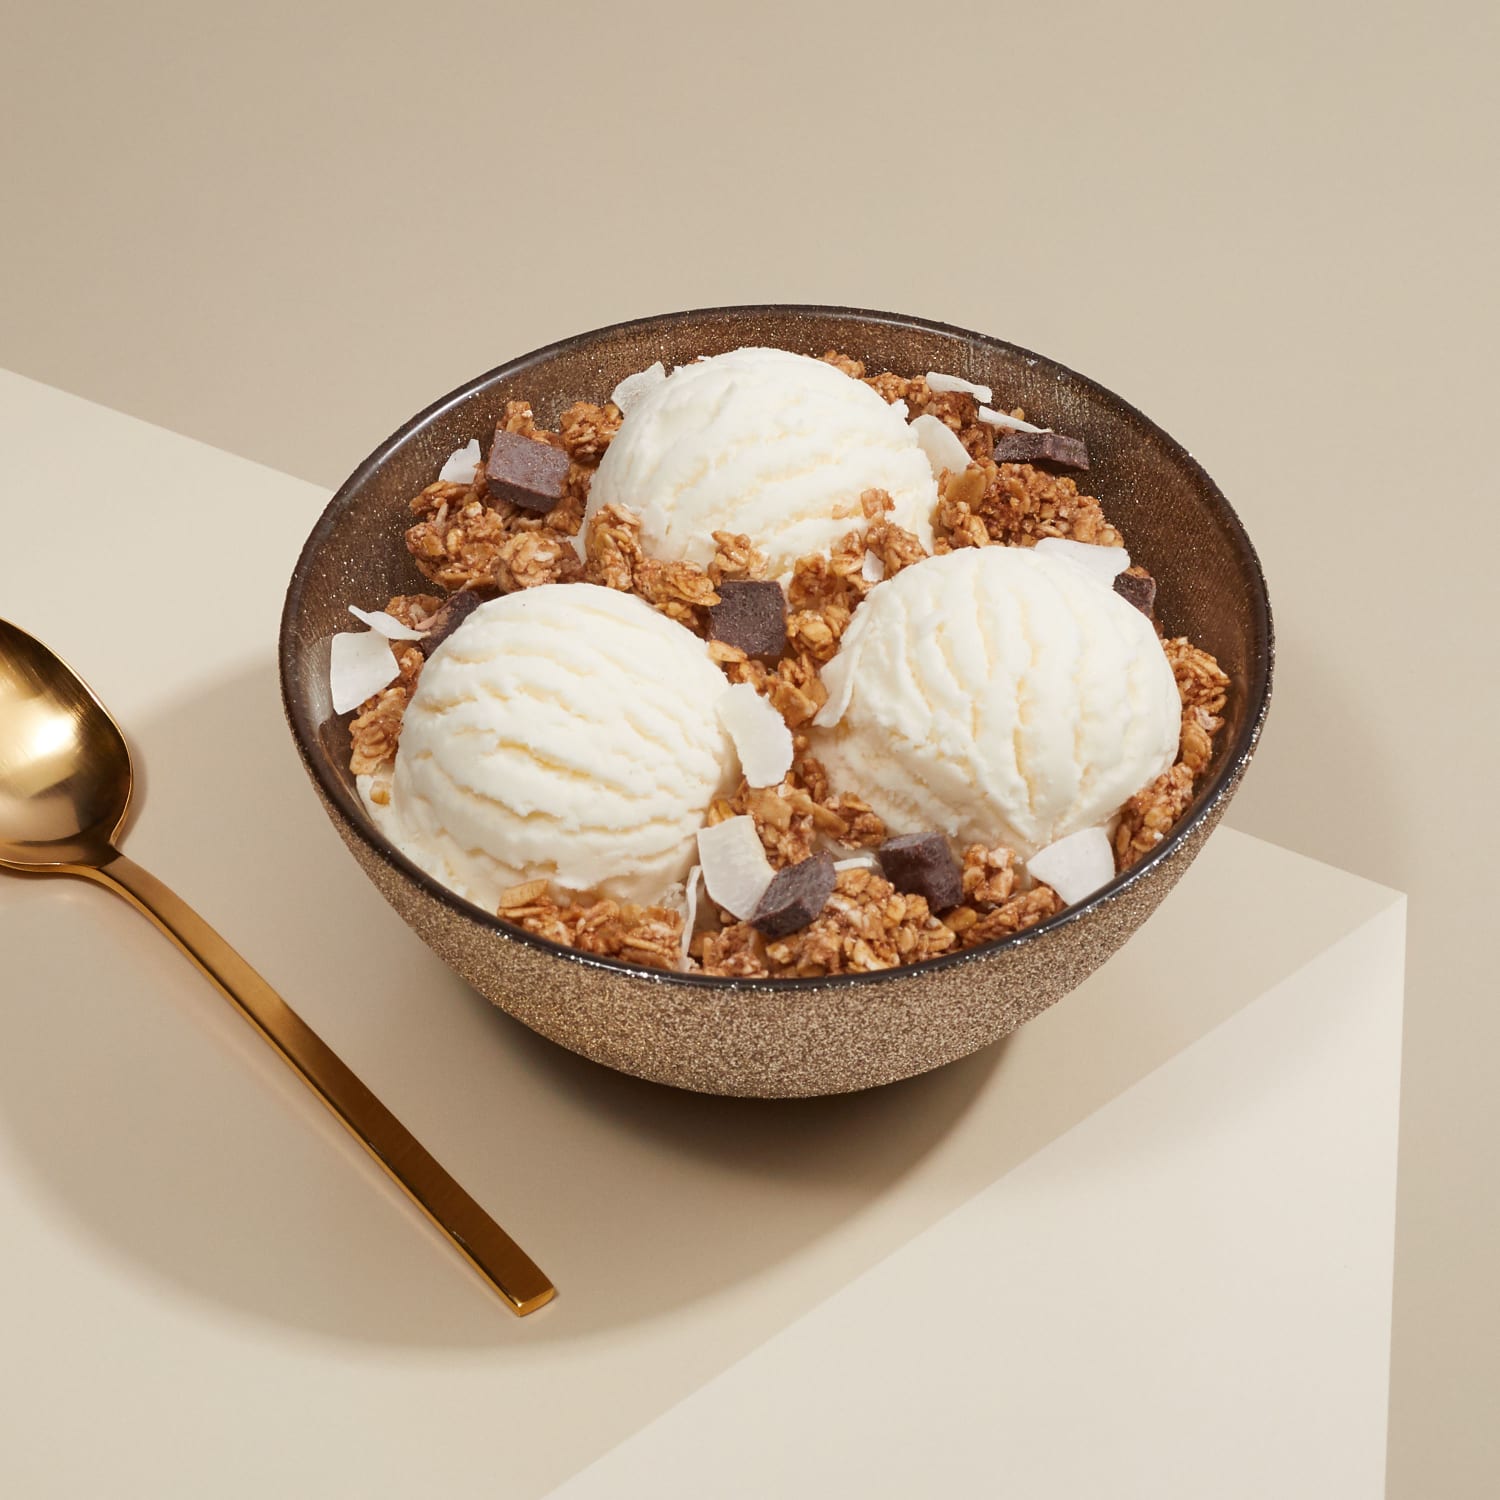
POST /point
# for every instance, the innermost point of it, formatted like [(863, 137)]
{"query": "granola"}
[(866, 925), (1149, 816), (1016, 505), (375, 730), (647, 935), (463, 538), (793, 816)]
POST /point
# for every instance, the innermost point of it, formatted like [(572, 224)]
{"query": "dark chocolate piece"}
[(456, 609), (528, 473), (1041, 448), (1138, 591), (794, 897), (751, 616), (922, 864)]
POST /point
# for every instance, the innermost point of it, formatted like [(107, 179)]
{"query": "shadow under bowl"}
[(780, 1038)]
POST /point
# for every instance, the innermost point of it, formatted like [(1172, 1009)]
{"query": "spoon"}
[(65, 784)]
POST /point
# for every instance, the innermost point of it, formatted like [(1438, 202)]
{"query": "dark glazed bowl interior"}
[(1175, 522)]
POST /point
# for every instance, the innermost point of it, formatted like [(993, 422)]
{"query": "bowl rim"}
[(304, 732)]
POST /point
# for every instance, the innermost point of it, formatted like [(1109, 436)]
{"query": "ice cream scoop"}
[(565, 732), (1000, 695), (766, 443)]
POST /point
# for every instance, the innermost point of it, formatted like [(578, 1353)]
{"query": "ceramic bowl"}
[(800, 1036)]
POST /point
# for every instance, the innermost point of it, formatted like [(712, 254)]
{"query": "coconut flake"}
[(761, 739), (1104, 563), (838, 678), (937, 381), (941, 445), (1004, 419), (865, 861), (387, 625), (735, 868), (1075, 867), (462, 464), (633, 387), (360, 664), (689, 914)]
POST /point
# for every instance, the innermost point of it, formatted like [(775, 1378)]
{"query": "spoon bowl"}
[(65, 782), (65, 775)]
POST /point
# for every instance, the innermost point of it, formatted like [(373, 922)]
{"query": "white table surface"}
[(1142, 1248)]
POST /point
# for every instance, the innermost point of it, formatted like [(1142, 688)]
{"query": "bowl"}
[(789, 1037)]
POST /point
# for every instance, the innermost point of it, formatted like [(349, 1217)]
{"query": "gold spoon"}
[(65, 783)]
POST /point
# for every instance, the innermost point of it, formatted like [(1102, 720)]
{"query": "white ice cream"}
[(567, 732), (762, 442), (1000, 695)]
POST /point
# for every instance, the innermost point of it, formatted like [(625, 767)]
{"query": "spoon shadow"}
[(154, 1119)]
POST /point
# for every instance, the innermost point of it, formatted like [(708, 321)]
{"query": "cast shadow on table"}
[(165, 1129)]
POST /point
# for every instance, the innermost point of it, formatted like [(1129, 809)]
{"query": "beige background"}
[(1272, 227)]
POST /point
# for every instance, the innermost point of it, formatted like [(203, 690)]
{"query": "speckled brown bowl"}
[(777, 1038)]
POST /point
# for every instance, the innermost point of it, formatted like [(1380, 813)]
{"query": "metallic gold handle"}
[(492, 1252)]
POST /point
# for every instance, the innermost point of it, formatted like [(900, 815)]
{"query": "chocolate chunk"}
[(794, 897), (1138, 590), (1041, 448), (528, 473), (751, 616), (922, 864), (456, 609)]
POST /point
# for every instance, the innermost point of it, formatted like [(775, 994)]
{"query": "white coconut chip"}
[(941, 445), (462, 464), (937, 381), (1075, 867), (761, 739), (387, 625), (1004, 419), (735, 868), (360, 664), (633, 387), (865, 861), (1105, 563), (689, 915), (838, 678), (871, 569)]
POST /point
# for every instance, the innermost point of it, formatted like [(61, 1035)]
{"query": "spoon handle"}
[(492, 1252)]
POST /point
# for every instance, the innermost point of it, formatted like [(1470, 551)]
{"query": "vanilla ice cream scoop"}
[(762, 442), (565, 732), (1000, 695)]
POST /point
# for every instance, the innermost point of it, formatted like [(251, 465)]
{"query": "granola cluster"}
[(375, 730), (868, 924), (463, 538), (955, 409), (647, 935), (614, 559), (792, 817), (793, 686), (1150, 814), (1015, 505)]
